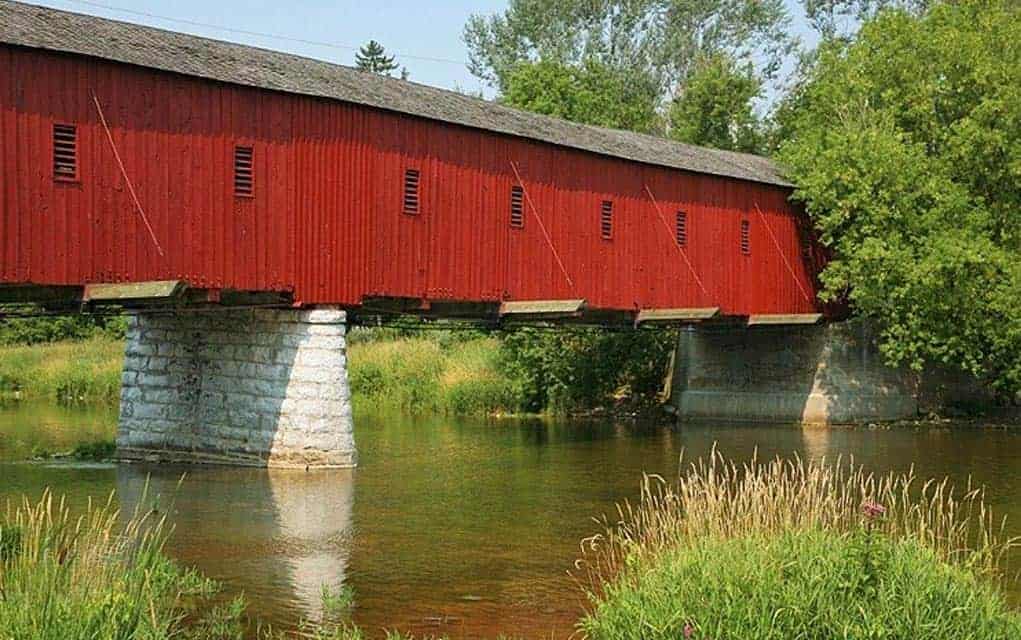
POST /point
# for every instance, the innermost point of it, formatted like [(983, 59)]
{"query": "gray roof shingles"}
[(43, 28)]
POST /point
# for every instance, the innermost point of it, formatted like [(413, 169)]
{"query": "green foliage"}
[(433, 371), (99, 450), (569, 370), (650, 41), (716, 108), (840, 18), (801, 585), (372, 58), (95, 578), (87, 372), (338, 602), (43, 329), (591, 92), (906, 149)]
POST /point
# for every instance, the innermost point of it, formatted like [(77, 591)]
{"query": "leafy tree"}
[(571, 370), (372, 57), (906, 149), (649, 40), (716, 108), (592, 93), (841, 18)]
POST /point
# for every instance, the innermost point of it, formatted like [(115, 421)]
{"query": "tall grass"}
[(423, 374), (66, 372), (91, 576), (765, 549)]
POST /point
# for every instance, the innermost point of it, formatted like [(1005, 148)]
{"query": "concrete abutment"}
[(825, 374), (256, 387)]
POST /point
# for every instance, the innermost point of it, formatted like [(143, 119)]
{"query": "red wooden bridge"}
[(167, 162)]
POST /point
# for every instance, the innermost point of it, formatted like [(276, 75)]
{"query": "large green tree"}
[(905, 144), (591, 92), (717, 107), (655, 41)]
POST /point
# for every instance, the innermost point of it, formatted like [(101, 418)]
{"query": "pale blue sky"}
[(425, 36)]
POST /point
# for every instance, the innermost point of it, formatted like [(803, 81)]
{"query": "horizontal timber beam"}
[(670, 316), (541, 309), (784, 319), (122, 291)]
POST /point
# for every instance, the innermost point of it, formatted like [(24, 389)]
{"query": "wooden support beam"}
[(784, 319), (541, 309), (156, 290), (40, 294), (675, 316)]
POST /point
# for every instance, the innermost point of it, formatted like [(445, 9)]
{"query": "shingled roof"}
[(44, 28)]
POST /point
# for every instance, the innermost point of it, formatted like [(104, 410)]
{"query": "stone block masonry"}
[(827, 374), (245, 387)]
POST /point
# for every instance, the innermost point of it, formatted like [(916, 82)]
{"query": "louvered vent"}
[(681, 229), (746, 237), (244, 173), (517, 218), (411, 180), (606, 220), (65, 152)]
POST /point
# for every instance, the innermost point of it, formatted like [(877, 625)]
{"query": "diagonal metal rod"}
[(541, 225), (659, 213), (783, 256), (124, 174)]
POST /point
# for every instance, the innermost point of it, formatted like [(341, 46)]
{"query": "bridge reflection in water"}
[(288, 532)]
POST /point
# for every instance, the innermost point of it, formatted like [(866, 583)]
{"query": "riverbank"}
[(70, 372), (780, 549), (427, 369)]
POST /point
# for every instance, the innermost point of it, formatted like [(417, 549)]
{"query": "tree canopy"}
[(717, 108), (905, 144), (372, 57), (592, 93), (651, 41)]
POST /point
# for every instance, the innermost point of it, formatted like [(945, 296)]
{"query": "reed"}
[(84, 372), (93, 576), (723, 537)]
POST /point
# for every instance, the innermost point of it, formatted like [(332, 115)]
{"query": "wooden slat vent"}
[(244, 172), (65, 152), (517, 207), (411, 200), (606, 221)]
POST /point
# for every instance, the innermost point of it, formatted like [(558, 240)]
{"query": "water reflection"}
[(284, 534), (464, 528)]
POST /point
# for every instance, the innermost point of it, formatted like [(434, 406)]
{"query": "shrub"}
[(785, 550), (577, 369), (96, 576)]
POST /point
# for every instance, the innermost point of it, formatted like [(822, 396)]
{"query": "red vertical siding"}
[(326, 220)]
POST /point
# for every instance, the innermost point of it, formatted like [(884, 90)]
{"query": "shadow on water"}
[(461, 527)]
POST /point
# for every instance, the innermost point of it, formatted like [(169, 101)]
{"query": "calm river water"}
[(465, 528)]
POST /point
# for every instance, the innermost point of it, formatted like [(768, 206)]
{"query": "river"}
[(459, 527)]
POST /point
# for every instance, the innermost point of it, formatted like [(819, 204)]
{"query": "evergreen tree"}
[(372, 57)]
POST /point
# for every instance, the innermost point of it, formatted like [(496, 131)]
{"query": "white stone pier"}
[(244, 387)]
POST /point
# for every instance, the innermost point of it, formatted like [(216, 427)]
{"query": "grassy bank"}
[(422, 369), (425, 374), (87, 371), (799, 550)]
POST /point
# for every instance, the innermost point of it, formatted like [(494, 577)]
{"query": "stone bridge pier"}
[(825, 374), (252, 387)]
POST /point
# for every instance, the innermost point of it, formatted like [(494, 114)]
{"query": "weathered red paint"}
[(326, 219)]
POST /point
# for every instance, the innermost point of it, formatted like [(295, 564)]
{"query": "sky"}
[(424, 35)]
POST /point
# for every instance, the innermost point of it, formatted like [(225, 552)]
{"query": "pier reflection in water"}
[(459, 527), (284, 534)]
